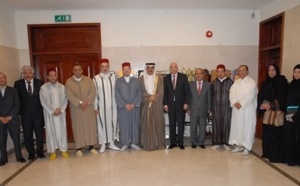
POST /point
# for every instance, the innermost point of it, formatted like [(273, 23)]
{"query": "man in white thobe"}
[(243, 100), (105, 107), (54, 102)]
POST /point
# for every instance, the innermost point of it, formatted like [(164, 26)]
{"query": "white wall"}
[(9, 59), (290, 54), (8, 52), (277, 7), (7, 29), (163, 36), (291, 44), (156, 28)]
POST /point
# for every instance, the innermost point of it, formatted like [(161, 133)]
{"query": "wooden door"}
[(60, 47), (270, 51), (64, 64)]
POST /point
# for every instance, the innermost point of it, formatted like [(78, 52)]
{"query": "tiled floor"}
[(164, 167)]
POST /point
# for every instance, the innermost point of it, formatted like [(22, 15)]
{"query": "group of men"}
[(101, 108), (233, 110), (232, 104), (130, 110)]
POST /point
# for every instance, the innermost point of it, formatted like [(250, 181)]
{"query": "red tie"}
[(174, 82), (199, 88)]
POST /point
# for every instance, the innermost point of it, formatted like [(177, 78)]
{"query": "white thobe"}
[(52, 97), (243, 120), (105, 103)]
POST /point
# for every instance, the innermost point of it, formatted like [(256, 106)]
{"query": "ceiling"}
[(52, 5)]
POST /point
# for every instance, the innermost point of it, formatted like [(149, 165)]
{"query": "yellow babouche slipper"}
[(79, 153), (65, 154), (52, 156)]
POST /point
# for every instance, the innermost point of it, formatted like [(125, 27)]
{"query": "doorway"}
[(60, 46)]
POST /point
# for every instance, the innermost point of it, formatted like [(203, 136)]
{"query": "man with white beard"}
[(105, 107)]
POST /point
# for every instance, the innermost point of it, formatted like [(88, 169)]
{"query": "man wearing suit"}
[(9, 120), (200, 106), (31, 111), (176, 100)]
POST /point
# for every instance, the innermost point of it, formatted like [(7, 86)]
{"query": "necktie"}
[(199, 88), (29, 90), (174, 82)]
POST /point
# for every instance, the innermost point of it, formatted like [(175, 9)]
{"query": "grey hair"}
[(200, 69), (27, 67)]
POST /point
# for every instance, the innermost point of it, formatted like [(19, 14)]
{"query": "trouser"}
[(29, 126), (14, 132)]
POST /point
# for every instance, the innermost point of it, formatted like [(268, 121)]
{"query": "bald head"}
[(2, 74), (173, 68), (199, 73), (243, 71)]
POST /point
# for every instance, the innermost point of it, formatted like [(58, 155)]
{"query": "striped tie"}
[(199, 88)]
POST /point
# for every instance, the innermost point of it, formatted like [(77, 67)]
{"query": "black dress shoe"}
[(194, 146), (172, 146), (263, 156), (181, 147), (41, 156), (3, 162), (31, 157), (21, 160), (202, 146)]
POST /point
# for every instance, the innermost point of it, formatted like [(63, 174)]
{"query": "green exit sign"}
[(62, 18)]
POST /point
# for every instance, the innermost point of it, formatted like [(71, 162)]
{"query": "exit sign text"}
[(62, 18)]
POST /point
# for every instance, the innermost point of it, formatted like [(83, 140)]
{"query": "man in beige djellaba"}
[(152, 122), (81, 93)]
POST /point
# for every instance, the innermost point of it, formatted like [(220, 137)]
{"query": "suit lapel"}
[(23, 84), (6, 92), (35, 87), (169, 79), (204, 86), (2, 97)]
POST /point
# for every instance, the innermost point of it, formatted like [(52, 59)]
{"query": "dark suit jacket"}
[(10, 104), (30, 104), (181, 92), (203, 100)]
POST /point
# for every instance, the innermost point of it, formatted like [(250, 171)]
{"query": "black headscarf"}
[(276, 67), (274, 82), (295, 82)]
